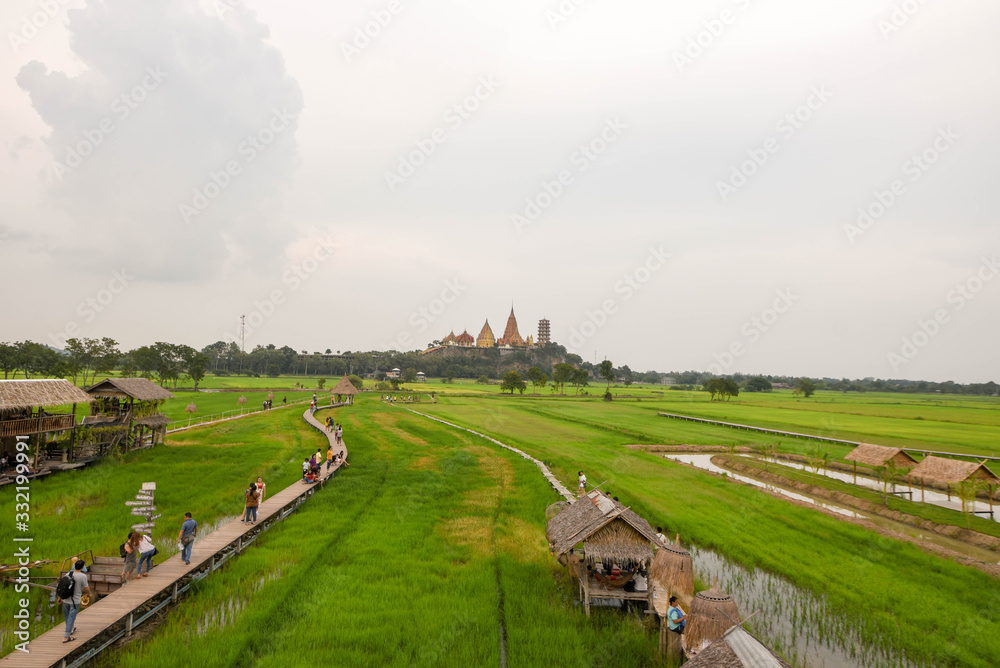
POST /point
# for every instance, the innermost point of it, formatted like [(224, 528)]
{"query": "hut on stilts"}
[(344, 391), (712, 613), (125, 413), (874, 456), (737, 648), (607, 547), (952, 473)]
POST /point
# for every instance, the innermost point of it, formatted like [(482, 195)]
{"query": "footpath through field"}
[(119, 612)]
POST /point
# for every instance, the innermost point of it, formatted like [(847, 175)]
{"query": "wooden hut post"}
[(585, 578), (855, 473), (674, 648)]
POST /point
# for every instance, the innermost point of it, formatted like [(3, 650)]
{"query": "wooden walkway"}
[(117, 613)]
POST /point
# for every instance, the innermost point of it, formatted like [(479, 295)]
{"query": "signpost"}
[(143, 507)]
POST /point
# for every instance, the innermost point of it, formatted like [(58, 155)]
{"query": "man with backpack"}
[(69, 592)]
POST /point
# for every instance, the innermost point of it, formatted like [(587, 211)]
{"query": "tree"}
[(196, 367), (730, 388), (714, 386), (580, 378), (606, 370), (967, 490), (537, 377), (409, 374), (483, 380), (758, 384), (561, 374), (805, 387), (888, 475), (356, 381), (512, 381), (8, 359)]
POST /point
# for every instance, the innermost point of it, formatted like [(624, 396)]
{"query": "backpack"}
[(121, 551), (66, 587)]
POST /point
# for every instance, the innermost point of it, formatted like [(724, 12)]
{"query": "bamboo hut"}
[(615, 549), (737, 648), (673, 569), (22, 413), (868, 454), (344, 390), (712, 613), (949, 473), (125, 412)]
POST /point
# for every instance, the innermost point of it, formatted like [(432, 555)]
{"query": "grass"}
[(884, 584)]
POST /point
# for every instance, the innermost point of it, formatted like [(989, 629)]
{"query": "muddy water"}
[(971, 551), (796, 622), (927, 496)]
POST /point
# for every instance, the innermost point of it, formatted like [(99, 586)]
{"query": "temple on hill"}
[(511, 336), (485, 338)]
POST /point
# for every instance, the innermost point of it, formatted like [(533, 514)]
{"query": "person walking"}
[(329, 457), (131, 557), (260, 488), (146, 553), (252, 499), (71, 606), (186, 536), (582, 489)]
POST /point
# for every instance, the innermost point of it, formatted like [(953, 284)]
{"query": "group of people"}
[(311, 466), (336, 429), (253, 497), (138, 549)]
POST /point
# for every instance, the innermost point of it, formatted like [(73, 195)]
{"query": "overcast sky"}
[(774, 187)]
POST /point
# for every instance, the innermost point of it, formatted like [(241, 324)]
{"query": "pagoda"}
[(511, 337), (449, 340), (465, 339), (486, 338)]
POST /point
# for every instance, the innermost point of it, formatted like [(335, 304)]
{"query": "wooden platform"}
[(116, 614)]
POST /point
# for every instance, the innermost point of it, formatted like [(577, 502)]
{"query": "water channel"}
[(793, 620)]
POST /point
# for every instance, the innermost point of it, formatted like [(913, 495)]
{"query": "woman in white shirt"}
[(146, 553), (583, 486)]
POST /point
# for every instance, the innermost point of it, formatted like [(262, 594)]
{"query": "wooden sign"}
[(143, 527), (143, 497), (156, 516), (136, 503), (149, 486), (144, 512)]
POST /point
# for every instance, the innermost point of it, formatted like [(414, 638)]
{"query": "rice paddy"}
[(430, 548)]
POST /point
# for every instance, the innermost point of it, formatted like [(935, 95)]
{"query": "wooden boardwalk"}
[(117, 613)]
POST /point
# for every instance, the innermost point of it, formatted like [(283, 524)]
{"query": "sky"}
[(735, 186)]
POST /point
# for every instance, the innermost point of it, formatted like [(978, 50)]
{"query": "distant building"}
[(449, 340), (543, 332), (486, 338), (465, 339), (392, 374), (511, 337), (421, 377)]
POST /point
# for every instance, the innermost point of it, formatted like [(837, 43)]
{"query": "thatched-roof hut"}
[(712, 613), (616, 545), (673, 568), (344, 388), (879, 455), (122, 412), (22, 412), (944, 471), (737, 648)]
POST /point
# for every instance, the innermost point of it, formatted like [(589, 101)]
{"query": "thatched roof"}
[(154, 421), (673, 568), (608, 530), (140, 389), (45, 392), (712, 613), (878, 455), (737, 649), (344, 387), (951, 471)]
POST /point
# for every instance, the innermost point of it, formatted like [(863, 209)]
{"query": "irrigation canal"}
[(793, 620), (117, 614)]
